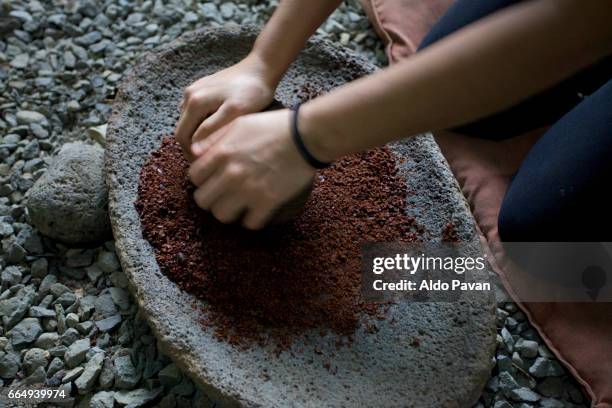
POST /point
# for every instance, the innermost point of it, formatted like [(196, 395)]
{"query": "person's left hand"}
[(250, 167)]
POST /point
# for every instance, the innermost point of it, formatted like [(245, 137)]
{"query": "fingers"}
[(224, 115), (228, 208), (199, 148), (193, 111), (208, 193), (257, 218), (204, 167)]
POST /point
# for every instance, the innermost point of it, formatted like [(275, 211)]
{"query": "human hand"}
[(250, 167), (213, 101)]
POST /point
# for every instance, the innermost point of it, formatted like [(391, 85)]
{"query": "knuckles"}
[(223, 216)]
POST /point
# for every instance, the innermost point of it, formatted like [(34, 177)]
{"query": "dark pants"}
[(559, 192)]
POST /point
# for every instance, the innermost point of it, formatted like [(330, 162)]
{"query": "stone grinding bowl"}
[(450, 366)]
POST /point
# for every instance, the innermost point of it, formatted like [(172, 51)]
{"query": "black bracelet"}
[(299, 143)]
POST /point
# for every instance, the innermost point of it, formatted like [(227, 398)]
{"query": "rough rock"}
[(9, 365), (320, 68), (86, 381), (25, 332), (543, 367), (137, 398), (73, 374), (107, 262), (69, 202), (76, 352), (35, 358), (109, 323), (102, 399), (14, 308), (126, 374), (524, 394)]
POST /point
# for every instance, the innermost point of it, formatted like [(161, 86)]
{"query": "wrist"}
[(317, 139), (264, 69)]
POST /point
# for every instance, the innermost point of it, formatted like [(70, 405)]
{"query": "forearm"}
[(293, 22), (484, 68)]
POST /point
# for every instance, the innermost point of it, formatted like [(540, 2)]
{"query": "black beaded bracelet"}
[(299, 142)]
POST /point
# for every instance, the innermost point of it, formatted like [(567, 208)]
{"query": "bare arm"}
[(252, 166), (481, 69), (293, 22)]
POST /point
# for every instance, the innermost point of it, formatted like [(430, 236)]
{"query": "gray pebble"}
[(69, 336), (72, 375), (89, 38), (26, 117), (84, 327), (552, 403), (543, 367), (88, 378), (119, 279), (93, 273), (54, 366), (105, 306), (109, 323), (20, 61), (120, 297), (126, 374), (227, 9), (25, 332), (46, 284), (58, 351), (527, 348), (10, 363), (72, 320), (34, 358), (107, 262), (137, 398), (38, 376), (37, 311), (11, 276), (107, 375), (47, 340), (39, 131), (14, 309), (76, 352), (524, 394), (39, 268), (78, 258), (102, 399), (58, 289)]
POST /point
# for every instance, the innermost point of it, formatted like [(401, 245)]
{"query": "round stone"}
[(69, 202), (34, 358), (451, 356)]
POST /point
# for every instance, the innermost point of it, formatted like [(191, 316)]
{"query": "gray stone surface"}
[(69, 202), (376, 366), (25, 332), (76, 352), (88, 378), (137, 398)]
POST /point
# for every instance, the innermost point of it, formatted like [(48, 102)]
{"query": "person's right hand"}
[(212, 102)]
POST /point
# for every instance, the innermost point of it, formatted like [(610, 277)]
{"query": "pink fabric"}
[(403, 23), (580, 334)]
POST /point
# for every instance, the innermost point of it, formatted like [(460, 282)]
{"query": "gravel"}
[(67, 318)]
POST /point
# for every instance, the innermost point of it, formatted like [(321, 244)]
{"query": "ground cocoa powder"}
[(289, 278)]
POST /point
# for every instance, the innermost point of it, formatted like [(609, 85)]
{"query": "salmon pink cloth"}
[(579, 334)]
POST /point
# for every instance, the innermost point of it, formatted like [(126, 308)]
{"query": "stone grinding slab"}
[(456, 339)]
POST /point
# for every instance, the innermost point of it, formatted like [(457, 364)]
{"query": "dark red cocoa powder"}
[(282, 281)]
